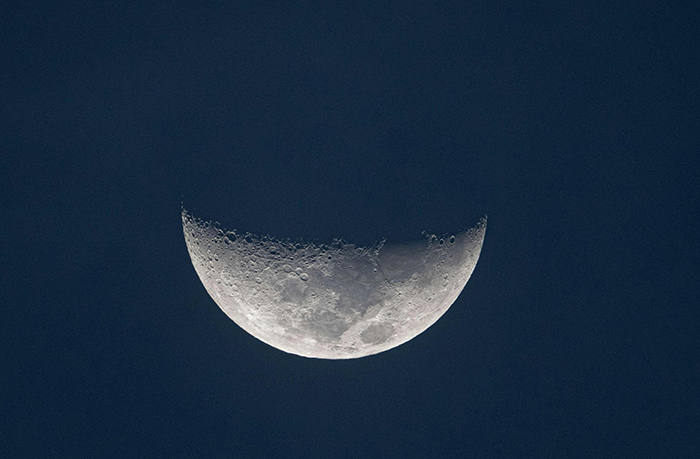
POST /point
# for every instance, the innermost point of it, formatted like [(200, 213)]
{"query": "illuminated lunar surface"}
[(331, 301)]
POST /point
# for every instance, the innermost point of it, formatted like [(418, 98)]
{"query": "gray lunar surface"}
[(331, 301)]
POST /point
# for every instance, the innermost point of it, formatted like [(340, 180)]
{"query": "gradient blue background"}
[(572, 125)]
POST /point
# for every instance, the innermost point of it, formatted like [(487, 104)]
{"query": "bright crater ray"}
[(335, 301)]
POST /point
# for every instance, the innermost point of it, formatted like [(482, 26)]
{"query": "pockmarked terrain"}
[(331, 301)]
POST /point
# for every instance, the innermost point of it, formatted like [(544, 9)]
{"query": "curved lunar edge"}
[(335, 301)]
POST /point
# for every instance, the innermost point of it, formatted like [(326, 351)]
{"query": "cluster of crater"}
[(334, 300)]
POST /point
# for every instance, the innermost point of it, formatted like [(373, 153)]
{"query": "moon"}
[(331, 301)]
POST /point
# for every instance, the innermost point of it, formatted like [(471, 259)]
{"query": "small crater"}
[(304, 276)]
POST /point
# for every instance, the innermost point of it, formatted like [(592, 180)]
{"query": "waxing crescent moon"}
[(331, 301)]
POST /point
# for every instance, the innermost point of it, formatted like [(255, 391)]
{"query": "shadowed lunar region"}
[(331, 301)]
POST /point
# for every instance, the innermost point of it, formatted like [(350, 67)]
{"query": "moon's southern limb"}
[(334, 301)]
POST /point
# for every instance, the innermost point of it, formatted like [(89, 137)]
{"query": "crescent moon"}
[(331, 301)]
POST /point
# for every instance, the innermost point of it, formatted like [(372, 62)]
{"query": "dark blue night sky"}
[(572, 125)]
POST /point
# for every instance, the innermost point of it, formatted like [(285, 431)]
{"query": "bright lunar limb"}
[(331, 301)]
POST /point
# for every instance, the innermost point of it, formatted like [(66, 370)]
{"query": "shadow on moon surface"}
[(331, 301)]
